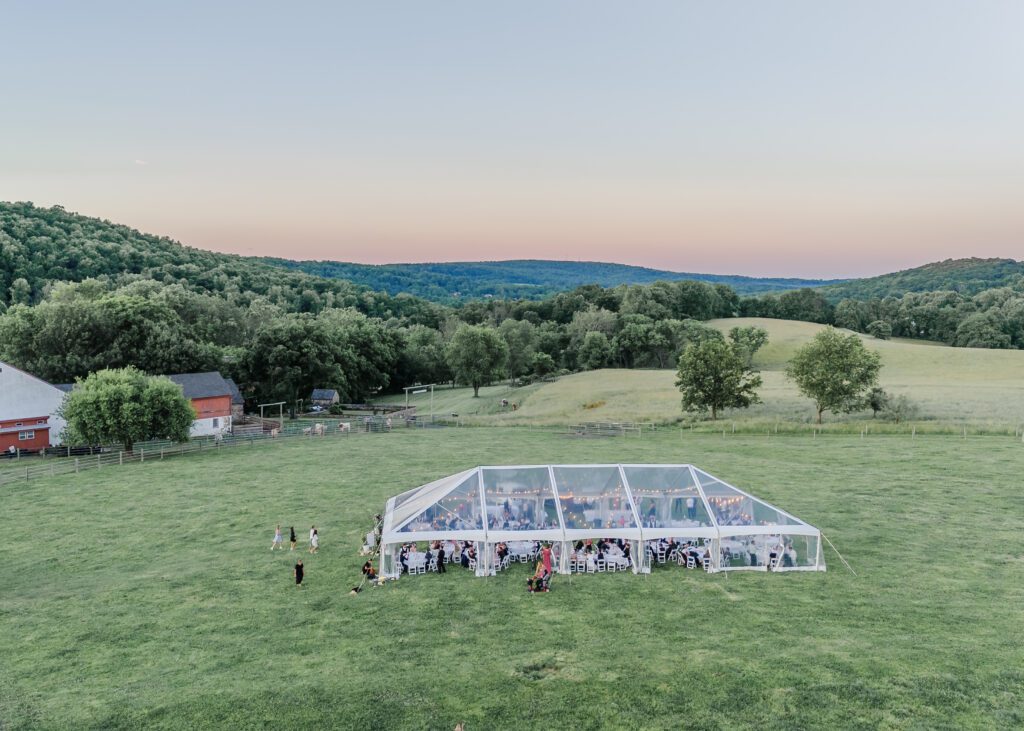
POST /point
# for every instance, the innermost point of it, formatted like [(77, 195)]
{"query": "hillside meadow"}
[(147, 597), (951, 386)]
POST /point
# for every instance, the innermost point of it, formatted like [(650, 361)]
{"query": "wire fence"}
[(58, 461), (73, 460)]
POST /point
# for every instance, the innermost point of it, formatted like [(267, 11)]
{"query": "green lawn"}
[(146, 596), (951, 386)]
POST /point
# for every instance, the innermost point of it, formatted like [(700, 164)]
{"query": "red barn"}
[(210, 395), (28, 411)]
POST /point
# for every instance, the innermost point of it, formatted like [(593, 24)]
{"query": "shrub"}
[(880, 329)]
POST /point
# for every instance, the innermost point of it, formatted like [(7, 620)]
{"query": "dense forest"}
[(79, 294), (456, 282), (966, 276), (42, 246)]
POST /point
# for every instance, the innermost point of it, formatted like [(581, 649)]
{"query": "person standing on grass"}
[(293, 538), (545, 557), (278, 540), (314, 541), (299, 572)]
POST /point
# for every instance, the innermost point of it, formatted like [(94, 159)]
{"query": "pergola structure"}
[(563, 504)]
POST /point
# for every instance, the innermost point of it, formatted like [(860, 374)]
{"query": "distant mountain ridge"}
[(966, 276), (521, 278)]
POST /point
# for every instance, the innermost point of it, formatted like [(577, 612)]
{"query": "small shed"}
[(325, 397)]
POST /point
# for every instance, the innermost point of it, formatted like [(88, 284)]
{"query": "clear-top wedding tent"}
[(563, 504)]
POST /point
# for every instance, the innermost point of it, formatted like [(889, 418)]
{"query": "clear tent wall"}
[(564, 504)]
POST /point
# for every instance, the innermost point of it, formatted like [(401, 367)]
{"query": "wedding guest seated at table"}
[(403, 559)]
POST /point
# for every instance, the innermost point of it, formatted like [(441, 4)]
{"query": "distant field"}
[(952, 386), (146, 597)]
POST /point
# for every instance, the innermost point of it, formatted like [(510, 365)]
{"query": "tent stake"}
[(839, 554)]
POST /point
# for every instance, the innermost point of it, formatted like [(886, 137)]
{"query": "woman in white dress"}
[(314, 540), (278, 540)]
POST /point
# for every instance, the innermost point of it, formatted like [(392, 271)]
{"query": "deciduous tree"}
[(476, 355), (836, 371), (125, 406), (713, 376)]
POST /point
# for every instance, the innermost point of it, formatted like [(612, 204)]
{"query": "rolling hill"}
[(519, 279), (967, 276), (950, 385)]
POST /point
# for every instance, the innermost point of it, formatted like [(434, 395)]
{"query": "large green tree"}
[(748, 340), (836, 371), (476, 355), (595, 351), (126, 406), (340, 349), (520, 337), (713, 376)]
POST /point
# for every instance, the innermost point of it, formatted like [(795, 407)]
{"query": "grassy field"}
[(146, 596), (951, 386)]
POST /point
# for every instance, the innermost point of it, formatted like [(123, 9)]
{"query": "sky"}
[(784, 138)]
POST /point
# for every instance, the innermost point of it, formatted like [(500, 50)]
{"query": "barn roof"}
[(325, 394), (236, 394), (202, 385)]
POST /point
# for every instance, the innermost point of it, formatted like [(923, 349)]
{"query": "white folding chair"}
[(707, 564), (600, 565), (690, 562)]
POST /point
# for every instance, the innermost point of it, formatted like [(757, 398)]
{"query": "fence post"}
[(76, 465), (142, 454), (98, 463), (161, 452), (120, 457)]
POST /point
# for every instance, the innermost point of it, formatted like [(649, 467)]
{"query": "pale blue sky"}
[(804, 138)]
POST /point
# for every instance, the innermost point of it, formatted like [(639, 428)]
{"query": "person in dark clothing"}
[(440, 559), (368, 572), (403, 558), (293, 538), (299, 572)]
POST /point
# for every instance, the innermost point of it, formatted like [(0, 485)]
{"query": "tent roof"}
[(567, 502)]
